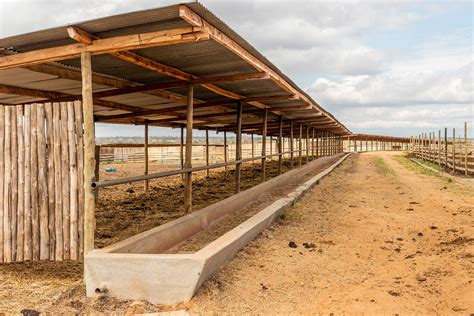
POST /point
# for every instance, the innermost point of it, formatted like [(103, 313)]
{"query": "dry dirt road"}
[(389, 238)]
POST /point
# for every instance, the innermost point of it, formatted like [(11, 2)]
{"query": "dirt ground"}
[(388, 237), (125, 210)]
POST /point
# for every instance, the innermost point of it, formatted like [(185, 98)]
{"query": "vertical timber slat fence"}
[(453, 154), (41, 183)]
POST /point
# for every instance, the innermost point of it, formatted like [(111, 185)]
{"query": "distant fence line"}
[(171, 153), (452, 153)]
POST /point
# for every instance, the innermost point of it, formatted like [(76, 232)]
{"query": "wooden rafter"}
[(169, 110), (158, 67), (48, 95), (103, 46)]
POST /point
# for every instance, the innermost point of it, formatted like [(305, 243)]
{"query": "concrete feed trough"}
[(143, 267)]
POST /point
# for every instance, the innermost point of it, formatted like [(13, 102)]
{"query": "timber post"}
[(238, 147), (89, 148), (188, 179)]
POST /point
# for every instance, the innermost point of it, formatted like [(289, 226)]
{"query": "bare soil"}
[(125, 210), (388, 238)]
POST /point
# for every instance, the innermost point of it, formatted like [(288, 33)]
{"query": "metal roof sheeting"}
[(202, 59)]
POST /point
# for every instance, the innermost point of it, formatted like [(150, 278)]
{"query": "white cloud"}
[(397, 88)]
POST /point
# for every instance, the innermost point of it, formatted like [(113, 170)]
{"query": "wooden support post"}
[(465, 148), (89, 148), (238, 146), (207, 151), (225, 148), (307, 143), (264, 143), (181, 149), (312, 144), (291, 145), (454, 150), (439, 147), (253, 146), (146, 154), (280, 144), (2, 173), (271, 147), (188, 179), (318, 144), (300, 159)]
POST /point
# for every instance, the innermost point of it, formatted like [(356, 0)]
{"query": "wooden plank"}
[(238, 146), (103, 46), (50, 180), (20, 241), (14, 183), (188, 181), (7, 190), (34, 185), (73, 190), (80, 173), (2, 173), (65, 182), (58, 201), (42, 184), (28, 238), (264, 143), (89, 148)]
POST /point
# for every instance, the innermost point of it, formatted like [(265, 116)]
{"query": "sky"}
[(381, 67)]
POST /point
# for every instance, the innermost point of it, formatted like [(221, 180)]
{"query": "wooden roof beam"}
[(43, 94), (196, 20), (183, 107), (180, 84), (104, 46), (158, 67)]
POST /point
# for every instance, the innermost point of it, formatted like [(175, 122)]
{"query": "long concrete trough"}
[(143, 267)]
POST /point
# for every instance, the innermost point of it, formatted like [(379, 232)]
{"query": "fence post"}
[(465, 148), (454, 150)]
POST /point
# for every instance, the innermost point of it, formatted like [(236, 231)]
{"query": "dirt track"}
[(388, 239)]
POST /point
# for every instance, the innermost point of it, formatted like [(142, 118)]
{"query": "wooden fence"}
[(454, 154), (41, 183)]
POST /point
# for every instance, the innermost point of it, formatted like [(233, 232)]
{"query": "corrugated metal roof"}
[(202, 59)]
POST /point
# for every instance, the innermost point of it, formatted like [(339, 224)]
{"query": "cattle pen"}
[(176, 67)]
